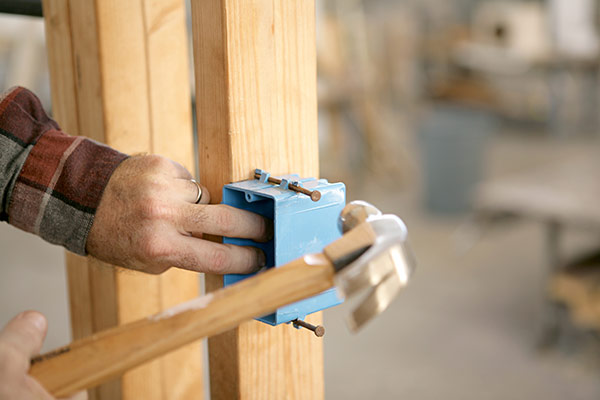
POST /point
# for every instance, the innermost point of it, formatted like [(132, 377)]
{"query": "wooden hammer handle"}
[(96, 359)]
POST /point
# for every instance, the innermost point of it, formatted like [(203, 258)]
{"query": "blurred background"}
[(476, 121)]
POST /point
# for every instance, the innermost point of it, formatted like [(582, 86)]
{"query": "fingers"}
[(189, 191), (216, 258), (180, 171), (204, 195), (223, 220), (25, 333), (21, 339), (140, 164)]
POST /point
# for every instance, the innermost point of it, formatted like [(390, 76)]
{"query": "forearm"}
[(50, 183)]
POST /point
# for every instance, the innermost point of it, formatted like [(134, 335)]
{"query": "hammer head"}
[(384, 267)]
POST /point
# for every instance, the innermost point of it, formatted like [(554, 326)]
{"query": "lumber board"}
[(256, 99), (119, 75)]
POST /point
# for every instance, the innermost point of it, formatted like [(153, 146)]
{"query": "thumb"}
[(25, 333)]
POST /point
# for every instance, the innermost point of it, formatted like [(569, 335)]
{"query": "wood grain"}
[(255, 70), (352, 243), (109, 353), (119, 74)]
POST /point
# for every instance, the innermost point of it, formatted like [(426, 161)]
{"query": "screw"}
[(314, 195), (319, 330)]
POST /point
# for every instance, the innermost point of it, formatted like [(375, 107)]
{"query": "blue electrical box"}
[(301, 225)]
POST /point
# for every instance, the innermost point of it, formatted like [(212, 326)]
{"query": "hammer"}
[(372, 256)]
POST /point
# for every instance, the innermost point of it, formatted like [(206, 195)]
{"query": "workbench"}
[(563, 195)]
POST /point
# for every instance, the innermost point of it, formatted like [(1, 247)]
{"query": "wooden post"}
[(255, 65), (119, 74)]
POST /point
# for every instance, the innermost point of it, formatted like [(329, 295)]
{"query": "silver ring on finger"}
[(199, 195)]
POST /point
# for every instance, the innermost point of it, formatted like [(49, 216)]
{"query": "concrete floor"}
[(465, 328)]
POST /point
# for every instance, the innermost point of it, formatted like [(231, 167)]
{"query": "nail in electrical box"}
[(305, 216)]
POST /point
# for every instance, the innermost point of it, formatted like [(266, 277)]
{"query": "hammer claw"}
[(368, 277), (382, 270), (377, 301)]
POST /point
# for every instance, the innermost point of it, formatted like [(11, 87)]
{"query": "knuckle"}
[(218, 260), (156, 269), (183, 171), (158, 162), (153, 184)]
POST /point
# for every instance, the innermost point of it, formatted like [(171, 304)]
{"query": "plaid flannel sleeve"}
[(50, 183)]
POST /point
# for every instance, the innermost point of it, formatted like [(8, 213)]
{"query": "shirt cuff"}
[(60, 184)]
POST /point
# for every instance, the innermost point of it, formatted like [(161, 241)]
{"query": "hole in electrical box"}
[(258, 204)]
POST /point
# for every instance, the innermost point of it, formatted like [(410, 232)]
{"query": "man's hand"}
[(20, 340), (147, 220)]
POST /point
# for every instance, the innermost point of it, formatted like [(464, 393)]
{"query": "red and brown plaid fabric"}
[(50, 183)]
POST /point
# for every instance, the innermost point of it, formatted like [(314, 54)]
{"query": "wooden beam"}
[(119, 74), (255, 66)]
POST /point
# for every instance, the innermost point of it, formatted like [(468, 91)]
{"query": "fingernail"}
[(36, 319)]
